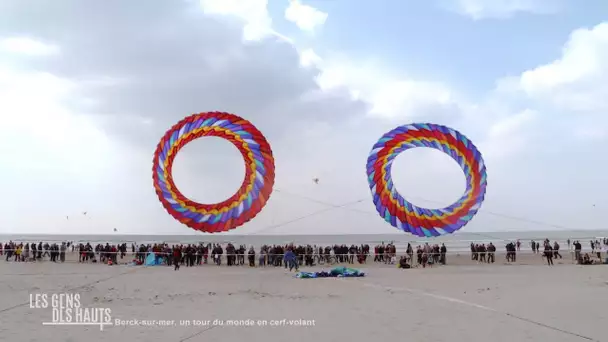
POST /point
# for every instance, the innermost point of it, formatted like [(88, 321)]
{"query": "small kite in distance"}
[(316, 180), (84, 213), (115, 229), (67, 217)]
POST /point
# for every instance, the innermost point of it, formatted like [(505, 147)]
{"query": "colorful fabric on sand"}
[(406, 216), (339, 272), (254, 192)]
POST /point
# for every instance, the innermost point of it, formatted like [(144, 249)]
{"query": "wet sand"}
[(464, 301)]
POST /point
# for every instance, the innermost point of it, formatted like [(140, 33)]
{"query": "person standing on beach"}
[(424, 259), (18, 252), (46, 250), (556, 250), (533, 245), (177, 257), (410, 252), (34, 251), (206, 250), (476, 251), (482, 252), (549, 253), (26, 252), (290, 258), (8, 249), (251, 257), (218, 255), (39, 250), (62, 252), (491, 252), (577, 250)]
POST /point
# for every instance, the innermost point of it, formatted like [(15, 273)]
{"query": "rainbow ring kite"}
[(253, 194), (406, 216)]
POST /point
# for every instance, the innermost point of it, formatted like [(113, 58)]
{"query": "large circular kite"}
[(406, 216), (254, 192)]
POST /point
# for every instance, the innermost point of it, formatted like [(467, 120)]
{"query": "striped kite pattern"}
[(254, 192), (406, 216)]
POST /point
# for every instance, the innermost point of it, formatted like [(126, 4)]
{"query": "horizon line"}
[(299, 234)]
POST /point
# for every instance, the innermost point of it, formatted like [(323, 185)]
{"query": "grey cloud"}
[(170, 60), (143, 65)]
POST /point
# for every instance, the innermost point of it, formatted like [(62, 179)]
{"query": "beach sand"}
[(464, 301)]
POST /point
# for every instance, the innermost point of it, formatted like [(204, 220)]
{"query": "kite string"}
[(510, 217), (345, 207), (336, 206), (314, 213)]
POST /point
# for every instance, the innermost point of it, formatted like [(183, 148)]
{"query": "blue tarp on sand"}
[(152, 260), (336, 272)]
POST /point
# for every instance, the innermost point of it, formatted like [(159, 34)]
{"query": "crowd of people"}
[(289, 255), (486, 253), (551, 251), (199, 254), (31, 251)]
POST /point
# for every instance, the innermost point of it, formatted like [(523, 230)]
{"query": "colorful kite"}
[(246, 203), (406, 216)]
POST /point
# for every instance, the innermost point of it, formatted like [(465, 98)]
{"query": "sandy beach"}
[(460, 302)]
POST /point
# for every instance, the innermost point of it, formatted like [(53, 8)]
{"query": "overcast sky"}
[(88, 88)]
